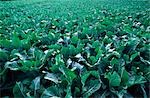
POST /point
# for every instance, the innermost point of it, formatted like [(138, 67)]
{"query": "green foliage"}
[(74, 49), (114, 78)]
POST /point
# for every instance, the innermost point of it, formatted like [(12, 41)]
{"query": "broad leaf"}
[(114, 79)]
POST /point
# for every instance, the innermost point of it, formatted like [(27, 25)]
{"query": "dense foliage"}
[(75, 48)]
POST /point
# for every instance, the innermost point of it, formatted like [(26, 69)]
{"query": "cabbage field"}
[(74, 49)]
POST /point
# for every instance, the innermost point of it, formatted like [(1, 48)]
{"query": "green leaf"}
[(72, 50), (133, 56), (26, 43), (86, 74), (65, 51), (126, 58), (38, 54), (68, 95), (74, 40), (54, 46), (99, 54), (91, 87), (59, 60), (18, 90), (48, 53), (93, 60), (109, 33), (114, 79), (84, 77), (52, 91), (3, 55), (136, 80), (127, 28), (5, 43), (16, 42), (70, 75), (132, 44), (27, 65), (124, 76), (114, 61), (96, 44)]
